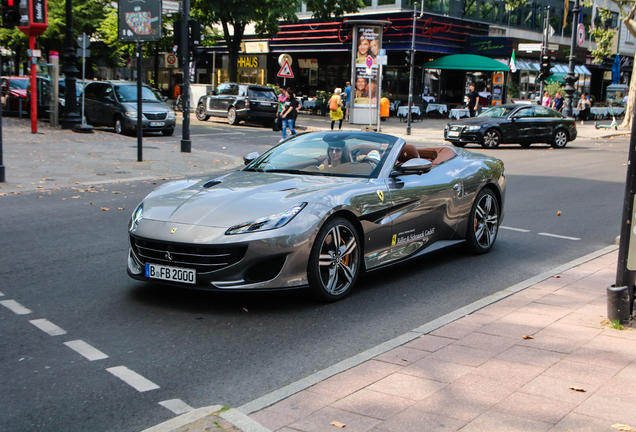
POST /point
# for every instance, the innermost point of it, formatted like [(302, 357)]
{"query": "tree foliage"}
[(235, 15)]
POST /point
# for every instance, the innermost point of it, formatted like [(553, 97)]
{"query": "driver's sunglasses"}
[(335, 149)]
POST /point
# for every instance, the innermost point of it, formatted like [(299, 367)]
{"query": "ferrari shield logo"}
[(394, 240), (172, 231), (380, 194)]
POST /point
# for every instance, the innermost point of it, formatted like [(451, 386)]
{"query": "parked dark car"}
[(240, 102), (505, 124), (114, 103)]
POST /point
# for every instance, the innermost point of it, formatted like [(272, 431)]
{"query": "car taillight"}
[(247, 103)]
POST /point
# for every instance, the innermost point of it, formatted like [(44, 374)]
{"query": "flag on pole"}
[(513, 63), (565, 12), (594, 12), (581, 16)]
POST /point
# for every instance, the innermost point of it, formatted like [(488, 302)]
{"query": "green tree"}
[(235, 15)]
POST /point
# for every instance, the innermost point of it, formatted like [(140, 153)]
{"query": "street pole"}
[(544, 50), (186, 144), (408, 126), (71, 116), (2, 178), (570, 78), (140, 106)]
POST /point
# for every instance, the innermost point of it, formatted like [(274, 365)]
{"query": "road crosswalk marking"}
[(15, 307), (48, 327), (86, 350), (133, 379)]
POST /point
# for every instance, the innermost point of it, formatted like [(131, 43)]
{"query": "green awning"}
[(466, 62), (556, 77)]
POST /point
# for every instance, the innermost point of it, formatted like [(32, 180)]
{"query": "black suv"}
[(240, 102), (114, 103)]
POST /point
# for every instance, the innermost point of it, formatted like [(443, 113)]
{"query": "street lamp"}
[(408, 126), (570, 78)]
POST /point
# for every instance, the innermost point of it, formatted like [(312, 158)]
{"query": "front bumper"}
[(464, 137), (151, 125), (268, 260)]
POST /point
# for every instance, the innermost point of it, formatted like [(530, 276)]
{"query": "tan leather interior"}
[(436, 155), (408, 152)]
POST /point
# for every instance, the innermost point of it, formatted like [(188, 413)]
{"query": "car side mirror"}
[(213, 93), (109, 98), (414, 166), (248, 158), (514, 117)]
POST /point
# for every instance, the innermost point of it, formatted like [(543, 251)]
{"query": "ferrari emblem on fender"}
[(380, 195), (172, 231)]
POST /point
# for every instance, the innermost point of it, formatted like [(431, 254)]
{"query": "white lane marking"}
[(133, 379), (177, 406), (514, 229), (558, 236), (48, 327), (86, 350), (16, 307)]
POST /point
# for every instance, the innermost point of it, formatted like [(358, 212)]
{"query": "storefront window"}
[(386, 2), (489, 11), (436, 5)]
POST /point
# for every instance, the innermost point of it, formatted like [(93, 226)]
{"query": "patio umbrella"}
[(616, 70)]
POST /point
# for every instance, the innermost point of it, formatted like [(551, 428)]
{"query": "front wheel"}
[(483, 224), (334, 262), (492, 139), (560, 139), (201, 116), (119, 126), (231, 117)]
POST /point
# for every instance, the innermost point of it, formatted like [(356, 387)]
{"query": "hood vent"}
[(211, 183)]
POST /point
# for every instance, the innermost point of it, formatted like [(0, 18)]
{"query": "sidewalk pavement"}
[(55, 158), (538, 356)]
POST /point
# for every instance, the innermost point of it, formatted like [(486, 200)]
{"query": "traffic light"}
[(544, 69), (10, 13)]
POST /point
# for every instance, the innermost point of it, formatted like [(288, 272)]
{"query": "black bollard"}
[(618, 304)]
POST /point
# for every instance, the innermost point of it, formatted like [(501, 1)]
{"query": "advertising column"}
[(367, 42)]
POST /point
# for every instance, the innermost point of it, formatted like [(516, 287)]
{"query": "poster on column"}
[(367, 44)]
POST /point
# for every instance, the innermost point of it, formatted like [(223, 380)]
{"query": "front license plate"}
[(168, 273), (157, 124), (266, 104), (453, 133)]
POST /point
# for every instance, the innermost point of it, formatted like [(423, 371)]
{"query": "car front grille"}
[(202, 258), (156, 116)]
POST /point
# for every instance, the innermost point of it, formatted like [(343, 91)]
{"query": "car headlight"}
[(472, 128), (267, 223), (131, 114), (172, 115), (137, 214)]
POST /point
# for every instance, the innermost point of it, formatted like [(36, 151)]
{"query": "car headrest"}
[(408, 152)]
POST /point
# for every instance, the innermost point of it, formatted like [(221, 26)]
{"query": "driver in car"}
[(337, 154)]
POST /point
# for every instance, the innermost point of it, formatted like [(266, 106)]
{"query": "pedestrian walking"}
[(290, 111), (473, 100), (547, 100), (282, 98), (558, 102), (584, 106), (335, 108)]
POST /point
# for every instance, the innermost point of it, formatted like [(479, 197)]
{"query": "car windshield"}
[(79, 87), (497, 112), (19, 84), (128, 93), (341, 154)]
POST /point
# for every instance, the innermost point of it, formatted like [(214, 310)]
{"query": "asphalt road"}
[(64, 258)]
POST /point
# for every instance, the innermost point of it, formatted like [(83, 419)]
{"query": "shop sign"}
[(255, 47), (428, 30), (489, 45), (308, 63), (247, 62)]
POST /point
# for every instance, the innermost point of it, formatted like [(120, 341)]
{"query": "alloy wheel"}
[(486, 221), (338, 260), (560, 139), (491, 139)]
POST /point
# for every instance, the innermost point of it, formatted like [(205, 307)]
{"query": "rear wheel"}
[(201, 113), (483, 224), (334, 262), (492, 139), (560, 139), (231, 117)]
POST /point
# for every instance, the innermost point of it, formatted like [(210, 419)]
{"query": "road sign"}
[(369, 61), (83, 52), (382, 60), (139, 21), (530, 47), (171, 60), (553, 47), (34, 53), (580, 34), (285, 71), (84, 41), (382, 52), (168, 6), (285, 58)]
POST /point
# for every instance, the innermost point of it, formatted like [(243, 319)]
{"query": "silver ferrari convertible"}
[(316, 211)]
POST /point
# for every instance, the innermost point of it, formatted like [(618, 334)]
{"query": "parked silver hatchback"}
[(114, 103)]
